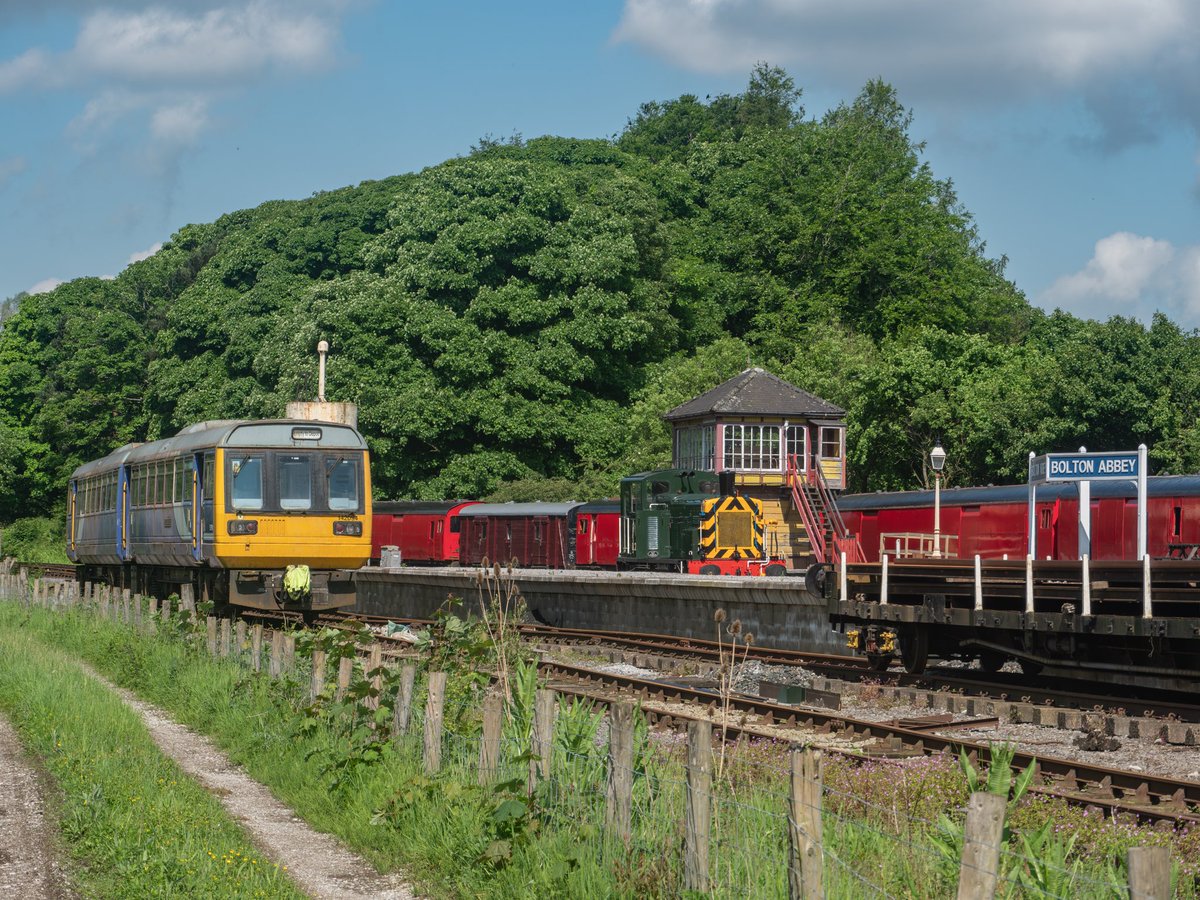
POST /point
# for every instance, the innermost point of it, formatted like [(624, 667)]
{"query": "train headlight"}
[(243, 526), (348, 529)]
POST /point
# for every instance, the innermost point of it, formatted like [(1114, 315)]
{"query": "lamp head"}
[(937, 456)]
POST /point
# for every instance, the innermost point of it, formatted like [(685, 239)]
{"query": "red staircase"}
[(826, 529)]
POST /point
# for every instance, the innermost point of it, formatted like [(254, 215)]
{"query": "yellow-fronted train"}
[(271, 514)]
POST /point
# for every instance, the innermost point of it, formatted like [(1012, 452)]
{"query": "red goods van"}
[(597, 534), (426, 533), (525, 534)]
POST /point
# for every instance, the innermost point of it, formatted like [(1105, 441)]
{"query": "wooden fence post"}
[(543, 738), (226, 637), (1149, 873), (256, 634), (152, 616), (239, 637), (164, 612), (187, 600), (806, 865), (699, 807), (374, 663), (127, 605), (317, 685), (345, 674), (434, 704), (981, 846), (137, 611), (618, 805), (404, 697), (489, 746), (276, 653), (288, 663), (212, 635)]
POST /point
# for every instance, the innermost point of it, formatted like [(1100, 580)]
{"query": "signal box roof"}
[(756, 392)]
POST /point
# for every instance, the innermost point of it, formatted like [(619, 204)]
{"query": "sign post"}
[(1084, 467)]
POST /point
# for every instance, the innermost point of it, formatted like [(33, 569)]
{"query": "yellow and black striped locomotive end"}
[(731, 527)]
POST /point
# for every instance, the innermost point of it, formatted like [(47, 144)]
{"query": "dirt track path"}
[(29, 867), (317, 862)]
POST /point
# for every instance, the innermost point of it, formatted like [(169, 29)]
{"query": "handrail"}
[(816, 537)]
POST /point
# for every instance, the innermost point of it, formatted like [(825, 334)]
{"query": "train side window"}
[(583, 526), (432, 531), (508, 531), (1177, 521), (537, 531), (455, 525), (1045, 518), (246, 487)]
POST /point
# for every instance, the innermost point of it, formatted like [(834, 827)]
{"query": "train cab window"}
[(295, 482), (341, 479), (246, 482), (659, 487)]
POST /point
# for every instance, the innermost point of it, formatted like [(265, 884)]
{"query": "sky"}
[(1069, 127)]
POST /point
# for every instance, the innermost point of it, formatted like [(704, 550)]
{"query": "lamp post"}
[(937, 459)]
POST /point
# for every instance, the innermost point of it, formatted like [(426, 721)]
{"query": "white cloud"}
[(157, 45), (46, 284), (171, 61), (954, 53), (1133, 275), (143, 254)]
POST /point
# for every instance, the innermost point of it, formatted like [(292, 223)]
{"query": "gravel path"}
[(316, 862), (29, 867)]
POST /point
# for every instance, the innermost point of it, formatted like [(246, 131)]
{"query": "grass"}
[(135, 823), (459, 839)]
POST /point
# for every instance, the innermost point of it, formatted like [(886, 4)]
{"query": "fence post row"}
[(256, 636), (1149, 873), (543, 739), (698, 805), (489, 746), (618, 807), (806, 864), (404, 697), (345, 672), (434, 704), (981, 846), (317, 685)]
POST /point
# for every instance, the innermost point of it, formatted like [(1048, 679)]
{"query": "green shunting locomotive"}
[(683, 520)]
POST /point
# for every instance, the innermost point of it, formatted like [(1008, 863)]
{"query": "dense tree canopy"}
[(515, 322)]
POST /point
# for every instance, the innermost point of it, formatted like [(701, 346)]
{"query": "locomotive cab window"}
[(246, 482), (295, 482), (341, 482)]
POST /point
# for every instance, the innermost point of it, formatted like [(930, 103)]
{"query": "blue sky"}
[(1068, 126)]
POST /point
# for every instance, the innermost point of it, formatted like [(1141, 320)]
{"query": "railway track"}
[(1116, 791), (1067, 693)]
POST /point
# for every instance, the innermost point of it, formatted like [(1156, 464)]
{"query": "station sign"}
[(1083, 467)]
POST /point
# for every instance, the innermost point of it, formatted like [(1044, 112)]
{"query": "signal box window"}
[(342, 483), (295, 483), (246, 491)]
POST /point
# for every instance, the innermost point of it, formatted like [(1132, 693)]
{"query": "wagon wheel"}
[(992, 660)]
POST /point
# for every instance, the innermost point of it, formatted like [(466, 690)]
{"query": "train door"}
[(584, 541), (124, 513), (208, 481), (72, 520), (537, 543), (194, 504)]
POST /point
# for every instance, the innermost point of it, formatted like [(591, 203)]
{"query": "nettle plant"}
[(356, 724)]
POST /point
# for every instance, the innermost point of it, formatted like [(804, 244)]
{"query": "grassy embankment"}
[(461, 839), (135, 824)]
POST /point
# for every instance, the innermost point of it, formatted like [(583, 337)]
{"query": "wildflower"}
[(719, 616)]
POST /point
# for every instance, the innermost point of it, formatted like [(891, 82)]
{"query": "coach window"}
[(342, 483), (295, 482), (246, 484), (455, 525)]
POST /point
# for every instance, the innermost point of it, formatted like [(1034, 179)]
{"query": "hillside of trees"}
[(513, 323)]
